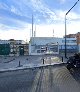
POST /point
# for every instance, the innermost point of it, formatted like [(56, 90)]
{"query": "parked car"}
[(74, 61)]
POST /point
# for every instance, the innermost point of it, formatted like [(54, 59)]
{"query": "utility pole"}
[(65, 25)]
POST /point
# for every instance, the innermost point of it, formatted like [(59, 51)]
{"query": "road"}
[(46, 79)]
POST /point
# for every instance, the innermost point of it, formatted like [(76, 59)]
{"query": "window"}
[(69, 41), (38, 51)]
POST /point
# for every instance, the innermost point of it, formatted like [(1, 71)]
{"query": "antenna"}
[(53, 32), (35, 31), (32, 25)]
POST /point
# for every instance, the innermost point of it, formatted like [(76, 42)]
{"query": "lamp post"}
[(65, 26)]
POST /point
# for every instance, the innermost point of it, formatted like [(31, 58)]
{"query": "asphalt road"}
[(47, 79)]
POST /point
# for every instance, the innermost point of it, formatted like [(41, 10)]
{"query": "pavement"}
[(23, 62), (55, 78)]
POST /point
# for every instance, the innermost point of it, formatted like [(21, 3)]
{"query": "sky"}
[(48, 18)]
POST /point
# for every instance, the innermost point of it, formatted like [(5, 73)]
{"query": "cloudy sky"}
[(49, 15)]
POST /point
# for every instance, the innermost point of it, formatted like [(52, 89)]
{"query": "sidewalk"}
[(24, 62)]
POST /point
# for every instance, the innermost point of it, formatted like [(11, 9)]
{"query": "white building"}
[(52, 45)]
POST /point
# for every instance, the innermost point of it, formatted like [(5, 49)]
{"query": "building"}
[(71, 45), (71, 36), (78, 40), (77, 36), (13, 47), (42, 45)]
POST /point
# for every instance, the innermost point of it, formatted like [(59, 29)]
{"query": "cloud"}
[(15, 33), (3, 6), (46, 13), (13, 20), (23, 10), (42, 12), (72, 16), (15, 10), (62, 1), (41, 31), (16, 18)]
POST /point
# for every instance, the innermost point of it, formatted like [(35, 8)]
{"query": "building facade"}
[(77, 36), (43, 45), (13, 47), (71, 36), (78, 40)]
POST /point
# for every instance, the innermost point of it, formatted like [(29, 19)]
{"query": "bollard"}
[(19, 64), (27, 59), (62, 59), (43, 61)]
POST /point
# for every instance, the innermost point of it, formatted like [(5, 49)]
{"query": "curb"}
[(27, 67)]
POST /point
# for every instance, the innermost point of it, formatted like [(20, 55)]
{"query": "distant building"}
[(13, 47), (41, 45), (71, 36), (77, 36), (78, 40)]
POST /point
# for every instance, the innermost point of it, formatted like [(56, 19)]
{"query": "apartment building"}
[(13, 47)]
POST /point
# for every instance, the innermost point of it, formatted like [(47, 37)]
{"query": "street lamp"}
[(65, 26)]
